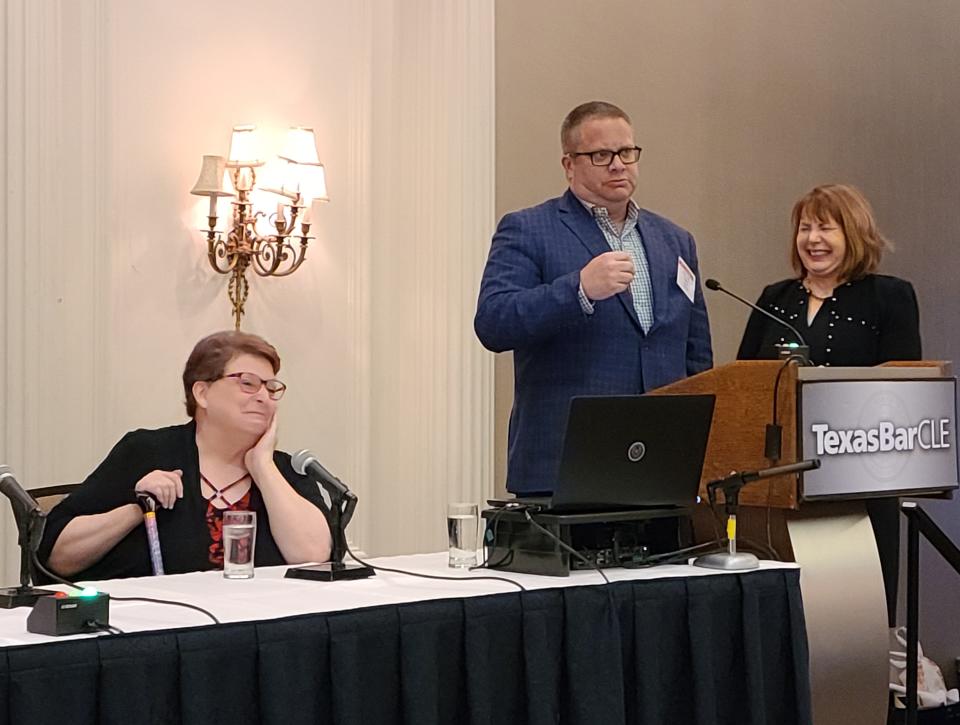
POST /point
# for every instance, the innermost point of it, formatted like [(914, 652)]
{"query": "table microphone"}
[(739, 480), (712, 284), (30, 519), (30, 522), (343, 502), (14, 491), (306, 464)]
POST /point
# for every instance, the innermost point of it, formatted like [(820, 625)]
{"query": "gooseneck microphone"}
[(772, 446), (712, 284)]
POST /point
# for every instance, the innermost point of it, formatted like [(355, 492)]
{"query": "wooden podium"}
[(744, 392), (841, 579)]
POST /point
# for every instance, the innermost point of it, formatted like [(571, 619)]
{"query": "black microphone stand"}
[(731, 559), (30, 525), (343, 502)]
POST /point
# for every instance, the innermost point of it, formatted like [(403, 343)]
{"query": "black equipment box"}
[(605, 539), (64, 614)]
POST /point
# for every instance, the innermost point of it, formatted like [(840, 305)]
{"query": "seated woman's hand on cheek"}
[(300, 529), (260, 458)]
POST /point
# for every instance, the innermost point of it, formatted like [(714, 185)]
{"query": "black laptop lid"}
[(633, 451)]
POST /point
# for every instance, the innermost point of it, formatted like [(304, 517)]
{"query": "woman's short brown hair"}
[(846, 206), (211, 355)]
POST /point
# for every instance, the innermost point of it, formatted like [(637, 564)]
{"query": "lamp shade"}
[(244, 147), (300, 146), (313, 184), (307, 180), (210, 181), (280, 191)]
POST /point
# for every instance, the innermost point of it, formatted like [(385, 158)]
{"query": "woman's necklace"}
[(813, 294)]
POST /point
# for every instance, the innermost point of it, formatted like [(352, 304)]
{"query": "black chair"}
[(50, 496)]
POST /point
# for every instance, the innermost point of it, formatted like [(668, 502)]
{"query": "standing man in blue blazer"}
[(594, 295)]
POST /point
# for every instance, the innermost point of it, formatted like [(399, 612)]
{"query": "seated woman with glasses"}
[(224, 459)]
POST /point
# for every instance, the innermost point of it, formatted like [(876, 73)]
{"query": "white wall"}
[(106, 110)]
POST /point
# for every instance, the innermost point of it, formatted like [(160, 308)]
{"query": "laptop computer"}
[(625, 452)]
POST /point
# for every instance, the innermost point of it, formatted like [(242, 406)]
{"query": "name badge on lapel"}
[(686, 279)]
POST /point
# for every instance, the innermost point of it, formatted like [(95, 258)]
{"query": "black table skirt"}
[(700, 650)]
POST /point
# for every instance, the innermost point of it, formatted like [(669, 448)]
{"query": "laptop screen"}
[(633, 451)]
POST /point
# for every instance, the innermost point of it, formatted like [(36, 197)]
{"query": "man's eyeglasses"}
[(251, 384), (603, 157)]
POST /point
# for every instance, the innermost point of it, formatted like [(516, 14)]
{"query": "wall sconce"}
[(300, 181)]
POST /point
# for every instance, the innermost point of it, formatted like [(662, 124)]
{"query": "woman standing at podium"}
[(848, 314)]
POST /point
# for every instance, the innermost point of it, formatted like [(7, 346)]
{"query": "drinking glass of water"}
[(463, 524), (239, 539)]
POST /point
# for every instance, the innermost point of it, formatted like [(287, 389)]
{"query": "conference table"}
[(670, 644)]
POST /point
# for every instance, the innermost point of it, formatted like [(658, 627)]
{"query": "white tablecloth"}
[(270, 596)]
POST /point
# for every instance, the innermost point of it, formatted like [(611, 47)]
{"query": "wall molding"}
[(56, 259), (432, 168)]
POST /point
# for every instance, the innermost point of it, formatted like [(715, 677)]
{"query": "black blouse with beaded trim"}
[(865, 322)]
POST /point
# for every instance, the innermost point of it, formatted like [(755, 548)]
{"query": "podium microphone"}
[(772, 445), (803, 350)]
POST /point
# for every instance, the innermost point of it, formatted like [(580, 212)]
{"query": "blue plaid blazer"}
[(528, 303)]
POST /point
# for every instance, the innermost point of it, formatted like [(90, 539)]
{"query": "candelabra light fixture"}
[(297, 180)]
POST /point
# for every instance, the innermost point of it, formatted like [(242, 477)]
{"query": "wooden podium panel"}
[(744, 407)]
